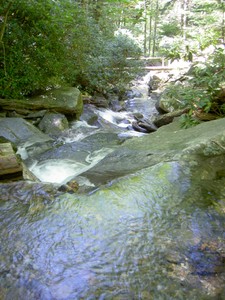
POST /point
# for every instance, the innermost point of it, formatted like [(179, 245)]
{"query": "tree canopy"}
[(84, 43)]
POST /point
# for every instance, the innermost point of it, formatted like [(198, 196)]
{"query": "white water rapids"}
[(60, 170)]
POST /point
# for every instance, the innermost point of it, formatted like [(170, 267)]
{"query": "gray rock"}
[(169, 143), (53, 124), (67, 100), (168, 118), (22, 133), (89, 115)]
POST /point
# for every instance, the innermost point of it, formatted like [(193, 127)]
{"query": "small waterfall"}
[(60, 168), (141, 102)]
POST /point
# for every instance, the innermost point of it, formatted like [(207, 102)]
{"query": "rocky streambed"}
[(146, 220)]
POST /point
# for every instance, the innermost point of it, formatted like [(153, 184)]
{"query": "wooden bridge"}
[(149, 62), (158, 63)]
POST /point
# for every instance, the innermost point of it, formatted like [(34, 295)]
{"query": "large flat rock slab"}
[(202, 144), (66, 100)]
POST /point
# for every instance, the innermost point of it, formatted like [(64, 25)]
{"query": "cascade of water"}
[(61, 169), (142, 102)]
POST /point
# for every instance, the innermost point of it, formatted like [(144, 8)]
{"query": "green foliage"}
[(177, 50), (170, 29), (32, 49), (187, 121), (208, 81), (198, 26), (111, 68), (205, 91), (48, 43)]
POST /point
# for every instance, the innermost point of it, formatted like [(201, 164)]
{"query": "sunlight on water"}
[(78, 131), (22, 152), (62, 170), (149, 235), (130, 133), (121, 119), (79, 124), (56, 171)]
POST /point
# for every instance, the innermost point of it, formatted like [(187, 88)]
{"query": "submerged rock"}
[(25, 191), (206, 260)]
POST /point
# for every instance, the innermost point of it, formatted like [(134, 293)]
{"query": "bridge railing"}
[(154, 63)]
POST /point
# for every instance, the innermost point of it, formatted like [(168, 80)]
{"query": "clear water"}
[(156, 234), (129, 240)]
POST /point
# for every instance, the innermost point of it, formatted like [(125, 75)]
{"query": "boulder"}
[(37, 192), (169, 102), (99, 101), (67, 100), (154, 83), (89, 115), (53, 124)]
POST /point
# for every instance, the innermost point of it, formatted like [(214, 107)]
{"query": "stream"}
[(153, 233)]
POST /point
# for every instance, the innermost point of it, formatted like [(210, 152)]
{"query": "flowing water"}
[(155, 234)]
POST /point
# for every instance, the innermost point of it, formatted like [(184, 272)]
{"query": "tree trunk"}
[(150, 35), (184, 19), (223, 23), (155, 28), (145, 26)]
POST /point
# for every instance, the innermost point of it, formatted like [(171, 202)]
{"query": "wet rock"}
[(89, 115), (27, 192), (115, 105), (18, 131), (144, 127), (80, 150), (133, 94), (21, 132), (53, 124), (195, 145), (138, 116), (99, 101), (29, 289), (70, 187)]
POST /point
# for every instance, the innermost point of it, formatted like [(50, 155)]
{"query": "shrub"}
[(32, 50), (206, 89), (111, 68)]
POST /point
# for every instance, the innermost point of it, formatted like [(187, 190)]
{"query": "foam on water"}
[(62, 170), (120, 119)]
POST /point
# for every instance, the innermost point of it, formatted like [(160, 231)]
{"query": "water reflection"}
[(126, 241)]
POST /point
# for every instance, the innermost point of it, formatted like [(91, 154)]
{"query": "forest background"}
[(86, 43)]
